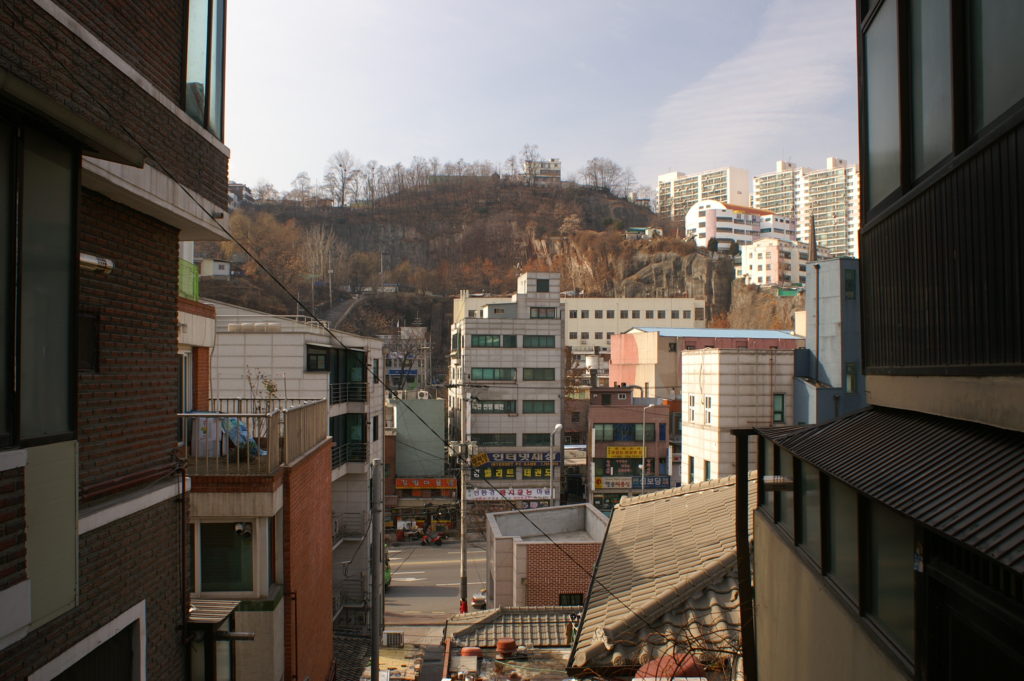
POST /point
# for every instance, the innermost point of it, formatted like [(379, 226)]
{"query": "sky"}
[(655, 85)]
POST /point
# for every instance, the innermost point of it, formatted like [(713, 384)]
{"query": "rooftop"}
[(715, 333)]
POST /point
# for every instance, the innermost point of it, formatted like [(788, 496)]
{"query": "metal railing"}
[(255, 439), (348, 452), (349, 525), (188, 280), (347, 392)]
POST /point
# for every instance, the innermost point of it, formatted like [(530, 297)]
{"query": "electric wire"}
[(460, 457)]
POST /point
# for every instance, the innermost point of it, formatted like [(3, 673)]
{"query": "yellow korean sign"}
[(625, 452)]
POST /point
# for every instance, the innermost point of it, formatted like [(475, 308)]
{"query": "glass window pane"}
[(46, 276), (842, 526), (931, 69), (215, 121), (892, 574), (787, 517), (810, 511), (226, 556), (6, 285), (195, 64), (883, 110), (997, 59)]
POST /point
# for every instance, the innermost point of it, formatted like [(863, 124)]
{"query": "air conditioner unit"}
[(394, 639), (423, 395)]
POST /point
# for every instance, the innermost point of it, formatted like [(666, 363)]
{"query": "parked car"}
[(479, 600)]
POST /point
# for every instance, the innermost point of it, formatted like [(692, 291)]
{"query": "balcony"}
[(241, 437), (351, 525), (348, 392), (348, 452)]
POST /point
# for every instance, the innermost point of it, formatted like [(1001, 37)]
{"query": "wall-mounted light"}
[(95, 263)]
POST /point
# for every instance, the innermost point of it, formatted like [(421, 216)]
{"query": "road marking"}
[(407, 579), (459, 584), (410, 572)]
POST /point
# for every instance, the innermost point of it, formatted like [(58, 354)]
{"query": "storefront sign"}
[(613, 483), (514, 493), (654, 482), (522, 457), (425, 483), (625, 452)]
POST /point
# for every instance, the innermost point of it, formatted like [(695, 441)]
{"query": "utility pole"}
[(463, 472), (376, 568), (551, 462)]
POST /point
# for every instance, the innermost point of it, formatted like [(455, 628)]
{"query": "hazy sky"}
[(656, 85)]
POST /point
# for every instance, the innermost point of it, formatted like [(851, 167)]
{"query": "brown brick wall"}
[(120, 564), (35, 48), (201, 379), (148, 35), (550, 572), (126, 409), (12, 527), (308, 558)]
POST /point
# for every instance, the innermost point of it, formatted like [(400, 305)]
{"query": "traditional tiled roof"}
[(351, 653), (536, 627), (666, 581)]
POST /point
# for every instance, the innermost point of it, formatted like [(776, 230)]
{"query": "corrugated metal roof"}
[(536, 627), (962, 479), (717, 333), (208, 611), (666, 578)]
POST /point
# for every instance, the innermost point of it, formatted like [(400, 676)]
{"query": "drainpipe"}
[(746, 587)]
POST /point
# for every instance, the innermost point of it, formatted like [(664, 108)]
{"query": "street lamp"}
[(643, 449), (551, 461)]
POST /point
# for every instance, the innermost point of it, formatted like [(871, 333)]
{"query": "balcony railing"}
[(349, 525), (348, 452), (188, 280), (348, 392), (255, 438)]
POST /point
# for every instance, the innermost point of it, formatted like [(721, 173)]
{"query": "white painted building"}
[(507, 363), (590, 323), (677, 192), (730, 223), (774, 262), (267, 357), (723, 389), (830, 196)]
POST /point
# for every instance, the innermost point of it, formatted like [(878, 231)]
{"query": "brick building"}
[(111, 150), (542, 556)]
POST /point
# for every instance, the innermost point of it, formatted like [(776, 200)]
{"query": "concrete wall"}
[(263, 658), (803, 632)]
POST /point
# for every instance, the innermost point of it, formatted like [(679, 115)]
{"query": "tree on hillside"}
[(530, 158), (606, 174), (340, 177)]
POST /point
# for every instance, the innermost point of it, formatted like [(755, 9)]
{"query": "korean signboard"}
[(425, 483), (625, 452), (514, 493)]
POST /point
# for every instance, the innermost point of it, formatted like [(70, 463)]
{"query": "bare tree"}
[(341, 176), (530, 159), (264, 191)]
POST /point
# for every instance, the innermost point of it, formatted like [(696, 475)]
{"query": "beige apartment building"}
[(677, 192)]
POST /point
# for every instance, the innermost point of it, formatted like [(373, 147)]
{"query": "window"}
[(675, 314), (598, 314), (610, 314), (573, 314), (707, 409), (508, 341), (882, 95), (316, 358), (536, 439), (478, 340), (707, 469), (543, 286), (570, 599), (492, 374), (809, 510), (850, 284), (850, 377), (494, 406), (997, 58), (604, 432), (204, 65), (692, 408), (538, 341), (635, 314), (543, 313), (661, 314), (623, 314), (778, 408), (598, 335), (36, 382), (931, 86), (375, 427), (539, 374), (891, 585), (494, 439), (538, 406), (225, 556), (584, 335), (842, 537), (648, 314), (698, 313), (573, 335), (690, 469), (640, 428), (686, 314), (584, 314), (786, 510), (574, 417)]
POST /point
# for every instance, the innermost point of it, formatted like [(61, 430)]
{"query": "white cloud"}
[(788, 93)]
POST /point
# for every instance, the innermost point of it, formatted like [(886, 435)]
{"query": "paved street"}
[(425, 586)]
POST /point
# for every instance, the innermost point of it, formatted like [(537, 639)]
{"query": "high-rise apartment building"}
[(677, 192), (830, 197)]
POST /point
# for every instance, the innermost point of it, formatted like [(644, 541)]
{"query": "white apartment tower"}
[(831, 197), (677, 192)]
